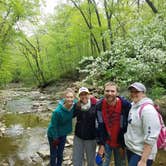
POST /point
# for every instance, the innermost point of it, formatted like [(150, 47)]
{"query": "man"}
[(112, 114), (143, 128)]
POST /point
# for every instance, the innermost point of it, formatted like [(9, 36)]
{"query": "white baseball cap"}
[(83, 89), (138, 86)]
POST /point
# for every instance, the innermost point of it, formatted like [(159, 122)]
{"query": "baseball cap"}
[(138, 86), (83, 89)]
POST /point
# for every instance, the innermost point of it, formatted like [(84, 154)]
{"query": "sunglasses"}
[(134, 91)]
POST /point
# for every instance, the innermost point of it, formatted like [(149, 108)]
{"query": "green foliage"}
[(157, 92), (6, 67), (135, 42), (5, 77), (67, 41), (11, 14), (140, 57)]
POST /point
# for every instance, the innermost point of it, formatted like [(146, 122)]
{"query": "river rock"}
[(44, 154), (69, 140), (36, 158), (2, 129)]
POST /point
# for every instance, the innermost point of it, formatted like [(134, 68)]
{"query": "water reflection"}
[(15, 130), (25, 135), (25, 120), (8, 145), (22, 149), (19, 105)]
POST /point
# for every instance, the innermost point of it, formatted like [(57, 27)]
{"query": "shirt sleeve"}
[(151, 124), (100, 128), (54, 123), (76, 109)]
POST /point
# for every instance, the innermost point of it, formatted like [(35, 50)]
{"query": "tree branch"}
[(151, 5)]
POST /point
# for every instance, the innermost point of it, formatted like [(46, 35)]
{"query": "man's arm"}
[(100, 128)]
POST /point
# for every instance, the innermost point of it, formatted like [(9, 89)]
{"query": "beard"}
[(110, 99)]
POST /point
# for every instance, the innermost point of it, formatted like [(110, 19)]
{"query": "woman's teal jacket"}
[(61, 121)]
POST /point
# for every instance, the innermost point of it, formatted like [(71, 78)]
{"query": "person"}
[(85, 132), (142, 132), (60, 126), (112, 113)]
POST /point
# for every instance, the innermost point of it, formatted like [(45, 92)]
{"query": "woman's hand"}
[(141, 163), (78, 105), (55, 142)]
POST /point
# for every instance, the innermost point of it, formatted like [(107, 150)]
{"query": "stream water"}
[(25, 133)]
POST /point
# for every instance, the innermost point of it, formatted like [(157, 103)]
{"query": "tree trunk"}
[(34, 52), (100, 25), (108, 16), (89, 25)]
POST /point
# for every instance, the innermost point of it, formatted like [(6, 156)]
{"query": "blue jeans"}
[(118, 157), (56, 153), (133, 159)]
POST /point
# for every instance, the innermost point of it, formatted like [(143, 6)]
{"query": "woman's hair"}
[(69, 90)]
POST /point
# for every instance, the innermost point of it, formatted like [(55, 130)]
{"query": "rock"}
[(35, 105), (67, 163), (42, 98), (43, 153), (66, 158), (67, 145), (69, 139), (36, 158), (50, 109), (2, 129), (5, 164)]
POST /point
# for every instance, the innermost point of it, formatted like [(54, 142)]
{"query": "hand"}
[(56, 142), (141, 163), (122, 152), (101, 150), (78, 105)]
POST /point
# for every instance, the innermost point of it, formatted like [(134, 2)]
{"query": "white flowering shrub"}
[(140, 57)]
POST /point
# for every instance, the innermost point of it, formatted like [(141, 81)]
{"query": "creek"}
[(24, 116)]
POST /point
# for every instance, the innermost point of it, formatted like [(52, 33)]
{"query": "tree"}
[(32, 52), (87, 19), (11, 13)]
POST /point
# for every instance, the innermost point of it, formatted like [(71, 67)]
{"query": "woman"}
[(60, 125), (85, 132), (143, 130)]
